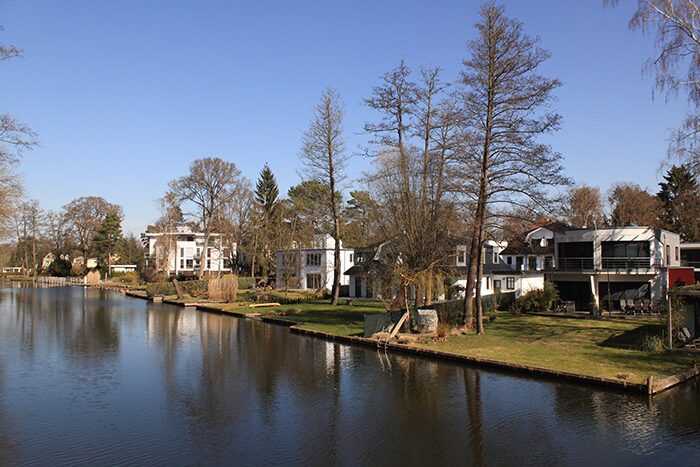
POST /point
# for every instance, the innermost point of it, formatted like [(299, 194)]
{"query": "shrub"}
[(247, 282), (651, 343), (537, 300), (59, 268)]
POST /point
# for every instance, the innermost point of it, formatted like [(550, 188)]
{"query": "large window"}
[(510, 283), (313, 259), (625, 249), (461, 256), (313, 281), (575, 256)]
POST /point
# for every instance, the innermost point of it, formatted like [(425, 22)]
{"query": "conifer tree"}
[(107, 239)]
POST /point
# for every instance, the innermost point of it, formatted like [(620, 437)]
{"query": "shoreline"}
[(653, 385)]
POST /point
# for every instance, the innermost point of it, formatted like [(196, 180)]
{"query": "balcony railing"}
[(641, 262), (690, 264), (574, 264)]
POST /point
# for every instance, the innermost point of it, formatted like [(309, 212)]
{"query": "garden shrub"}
[(651, 343), (247, 282), (537, 300)]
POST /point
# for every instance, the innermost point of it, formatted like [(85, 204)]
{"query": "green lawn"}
[(602, 348)]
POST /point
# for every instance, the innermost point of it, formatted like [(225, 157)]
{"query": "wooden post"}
[(669, 321), (650, 385)]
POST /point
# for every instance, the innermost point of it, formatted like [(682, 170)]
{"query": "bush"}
[(59, 268), (247, 282), (537, 300), (167, 288), (651, 343), (131, 277)]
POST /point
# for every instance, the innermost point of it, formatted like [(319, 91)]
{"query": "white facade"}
[(186, 252), (603, 265), (120, 268), (312, 268)]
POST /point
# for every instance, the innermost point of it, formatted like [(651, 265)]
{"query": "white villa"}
[(312, 268), (625, 262), (186, 254), (499, 276), (690, 257)]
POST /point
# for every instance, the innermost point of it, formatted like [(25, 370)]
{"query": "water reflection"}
[(147, 383)]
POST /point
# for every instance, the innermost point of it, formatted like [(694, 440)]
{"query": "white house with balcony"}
[(602, 266), (185, 253), (690, 257), (499, 276), (312, 268)]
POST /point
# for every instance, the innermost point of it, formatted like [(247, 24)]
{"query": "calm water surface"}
[(90, 377)]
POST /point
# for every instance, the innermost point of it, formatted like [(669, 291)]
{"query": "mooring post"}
[(650, 385)]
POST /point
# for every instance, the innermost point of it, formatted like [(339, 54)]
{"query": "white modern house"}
[(185, 253), (499, 276), (690, 257), (535, 251), (312, 268), (602, 266)]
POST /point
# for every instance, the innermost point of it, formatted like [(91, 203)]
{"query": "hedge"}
[(452, 312), (167, 288), (247, 282)]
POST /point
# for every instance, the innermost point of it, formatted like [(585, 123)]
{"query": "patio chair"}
[(646, 305), (570, 306), (638, 307), (626, 307), (687, 338)]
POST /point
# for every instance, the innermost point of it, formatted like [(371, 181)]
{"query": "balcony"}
[(575, 264), (639, 262), (690, 263)]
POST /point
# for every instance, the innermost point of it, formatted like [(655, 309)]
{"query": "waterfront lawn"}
[(342, 319), (601, 348)]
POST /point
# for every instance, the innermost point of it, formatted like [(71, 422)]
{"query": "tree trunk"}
[(203, 254)]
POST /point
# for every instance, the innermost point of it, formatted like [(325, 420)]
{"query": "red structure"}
[(681, 276)]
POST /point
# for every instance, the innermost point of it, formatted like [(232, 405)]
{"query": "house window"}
[(182, 264), (510, 283), (488, 282), (532, 263), (495, 258), (313, 281), (189, 264), (668, 254), (182, 252), (208, 252), (497, 285), (208, 264), (197, 252), (677, 254), (509, 260), (461, 256), (313, 259), (351, 257)]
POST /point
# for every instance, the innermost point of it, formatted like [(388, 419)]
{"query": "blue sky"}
[(124, 95)]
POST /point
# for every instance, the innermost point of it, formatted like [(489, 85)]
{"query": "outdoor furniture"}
[(626, 306), (687, 338), (638, 307), (646, 305)]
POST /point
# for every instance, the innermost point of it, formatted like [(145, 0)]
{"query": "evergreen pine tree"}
[(266, 198), (107, 238), (680, 198)]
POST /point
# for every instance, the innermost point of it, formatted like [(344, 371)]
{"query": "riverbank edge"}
[(652, 387)]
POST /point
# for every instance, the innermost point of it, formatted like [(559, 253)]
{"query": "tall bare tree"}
[(676, 64), (413, 149), (15, 137), (583, 207), (504, 100), (324, 158), (205, 191)]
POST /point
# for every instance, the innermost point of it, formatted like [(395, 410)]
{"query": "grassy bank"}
[(601, 348)]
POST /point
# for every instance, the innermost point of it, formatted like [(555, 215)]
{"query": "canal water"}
[(89, 377)]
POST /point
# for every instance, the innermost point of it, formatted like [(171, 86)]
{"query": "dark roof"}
[(522, 248), (493, 268), (554, 226)]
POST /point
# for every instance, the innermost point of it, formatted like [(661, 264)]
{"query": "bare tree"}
[(630, 204), (504, 100), (56, 231), (676, 66), (583, 207), (170, 218), (83, 217), (324, 158), (413, 142), (15, 137), (205, 191)]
